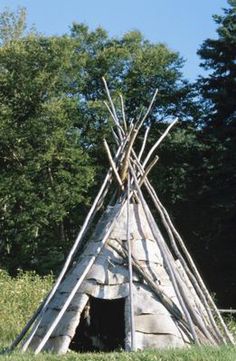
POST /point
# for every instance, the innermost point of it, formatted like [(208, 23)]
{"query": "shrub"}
[(20, 296)]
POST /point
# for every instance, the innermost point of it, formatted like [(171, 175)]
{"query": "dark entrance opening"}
[(101, 327)]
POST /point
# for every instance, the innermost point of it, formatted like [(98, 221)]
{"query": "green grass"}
[(19, 298), (192, 354)]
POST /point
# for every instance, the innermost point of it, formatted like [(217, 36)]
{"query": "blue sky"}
[(181, 24)]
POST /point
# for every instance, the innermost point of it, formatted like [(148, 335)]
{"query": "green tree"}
[(45, 173), (13, 25), (216, 189), (52, 123), (219, 57), (134, 67)]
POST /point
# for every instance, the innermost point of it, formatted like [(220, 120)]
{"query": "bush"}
[(20, 297)]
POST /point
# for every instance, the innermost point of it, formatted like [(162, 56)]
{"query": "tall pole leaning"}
[(131, 303)]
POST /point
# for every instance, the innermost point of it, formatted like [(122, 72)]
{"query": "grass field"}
[(193, 354), (21, 295)]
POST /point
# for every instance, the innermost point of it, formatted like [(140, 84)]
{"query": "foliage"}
[(20, 296), (218, 56), (134, 67), (45, 172), (216, 200), (13, 25), (51, 125)]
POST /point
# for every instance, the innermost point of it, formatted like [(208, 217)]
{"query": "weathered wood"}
[(157, 202), (190, 290), (113, 112), (148, 169), (59, 299), (205, 292), (227, 310), (197, 321), (165, 255), (115, 137), (148, 110), (144, 143), (71, 318), (131, 305), (107, 292), (156, 324), (124, 170), (116, 121), (185, 300), (159, 142), (127, 324), (107, 273), (173, 309), (123, 113), (104, 223), (192, 277), (150, 341), (112, 163), (147, 302), (57, 345), (139, 228), (146, 250)]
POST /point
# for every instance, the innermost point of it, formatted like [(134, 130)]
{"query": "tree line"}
[(53, 120)]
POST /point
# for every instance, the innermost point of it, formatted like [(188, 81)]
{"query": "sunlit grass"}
[(192, 354)]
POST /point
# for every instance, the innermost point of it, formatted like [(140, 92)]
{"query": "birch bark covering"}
[(108, 279)]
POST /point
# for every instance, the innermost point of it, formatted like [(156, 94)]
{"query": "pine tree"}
[(219, 57)]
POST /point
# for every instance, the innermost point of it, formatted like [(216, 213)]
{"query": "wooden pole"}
[(199, 282), (110, 100), (160, 244), (119, 128), (114, 116), (124, 170), (113, 166), (148, 169), (192, 277), (159, 141), (167, 302), (144, 143), (131, 304), (149, 109), (181, 259), (165, 221), (123, 112), (115, 136)]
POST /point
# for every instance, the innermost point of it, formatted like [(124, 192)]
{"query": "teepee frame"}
[(131, 174)]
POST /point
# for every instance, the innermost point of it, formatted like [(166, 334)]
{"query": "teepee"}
[(124, 285)]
